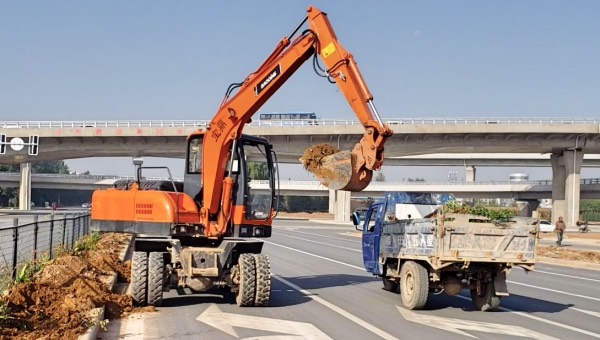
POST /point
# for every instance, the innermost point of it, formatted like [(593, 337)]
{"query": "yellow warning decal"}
[(328, 50)]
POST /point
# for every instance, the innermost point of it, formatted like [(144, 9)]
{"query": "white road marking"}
[(379, 332), (555, 291), (327, 244), (214, 317), (566, 275), (322, 236), (315, 255), (553, 323), (575, 329), (457, 326), (589, 312)]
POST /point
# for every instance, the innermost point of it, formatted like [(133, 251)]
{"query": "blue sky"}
[(120, 60)]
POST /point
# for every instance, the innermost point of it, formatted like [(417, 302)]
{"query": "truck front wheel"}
[(488, 300), (414, 285)]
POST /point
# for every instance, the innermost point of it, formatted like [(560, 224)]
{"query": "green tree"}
[(258, 170), (9, 196), (42, 167)]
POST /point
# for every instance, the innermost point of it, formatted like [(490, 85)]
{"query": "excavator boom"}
[(346, 170)]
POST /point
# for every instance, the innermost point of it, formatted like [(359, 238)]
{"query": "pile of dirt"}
[(569, 254), (57, 302)]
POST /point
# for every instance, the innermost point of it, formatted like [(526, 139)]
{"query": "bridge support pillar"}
[(342, 206), (332, 201), (470, 173), (566, 177), (527, 207), (25, 187)]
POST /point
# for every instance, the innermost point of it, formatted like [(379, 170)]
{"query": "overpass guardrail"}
[(312, 183), (312, 122)]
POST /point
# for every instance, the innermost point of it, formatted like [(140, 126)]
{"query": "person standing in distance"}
[(559, 228)]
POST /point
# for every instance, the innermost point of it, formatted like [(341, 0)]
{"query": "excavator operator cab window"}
[(194, 155)]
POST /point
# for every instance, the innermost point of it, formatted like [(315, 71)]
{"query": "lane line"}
[(315, 255), (327, 244), (553, 323), (379, 332), (325, 236), (589, 312), (596, 335), (566, 275), (554, 290)]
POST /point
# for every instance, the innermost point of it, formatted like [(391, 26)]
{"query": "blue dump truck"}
[(415, 248)]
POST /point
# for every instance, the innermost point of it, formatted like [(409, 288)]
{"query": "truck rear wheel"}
[(139, 277), (390, 285), (247, 288), (488, 300), (156, 270), (414, 287), (263, 280)]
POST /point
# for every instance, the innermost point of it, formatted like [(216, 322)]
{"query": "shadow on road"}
[(514, 302)]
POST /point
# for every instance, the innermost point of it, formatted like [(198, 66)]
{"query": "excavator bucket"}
[(337, 170)]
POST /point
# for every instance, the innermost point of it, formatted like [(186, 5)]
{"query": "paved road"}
[(321, 291)]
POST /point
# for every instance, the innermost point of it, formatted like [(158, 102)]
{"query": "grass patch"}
[(86, 243), (26, 270)]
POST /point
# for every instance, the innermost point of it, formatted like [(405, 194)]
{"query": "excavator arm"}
[(344, 170)]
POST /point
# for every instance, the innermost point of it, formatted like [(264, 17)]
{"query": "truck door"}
[(370, 240)]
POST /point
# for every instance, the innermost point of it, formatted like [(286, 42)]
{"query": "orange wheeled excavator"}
[(203, 232)]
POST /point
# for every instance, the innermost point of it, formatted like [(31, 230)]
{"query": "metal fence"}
[(33, 237)]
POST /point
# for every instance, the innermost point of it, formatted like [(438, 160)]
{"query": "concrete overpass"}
[(563, 142), (518, 190), (528, 193)]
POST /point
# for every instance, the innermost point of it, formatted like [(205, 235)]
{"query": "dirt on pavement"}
[(56, 303)]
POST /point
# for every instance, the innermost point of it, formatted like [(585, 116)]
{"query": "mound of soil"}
[(569, 254), (57, 302)]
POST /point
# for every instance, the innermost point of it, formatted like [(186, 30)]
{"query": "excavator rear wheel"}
[(156, 270), (139, 277), (247, 288), (263, 280)]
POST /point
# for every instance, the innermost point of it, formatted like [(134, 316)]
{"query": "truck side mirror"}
[(355, 217)]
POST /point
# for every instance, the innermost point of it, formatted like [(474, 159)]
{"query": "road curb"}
[(98, 313)]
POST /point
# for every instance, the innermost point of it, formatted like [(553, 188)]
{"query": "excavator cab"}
[(252, 166)]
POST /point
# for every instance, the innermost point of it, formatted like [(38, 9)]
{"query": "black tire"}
[(263, 280), (156, 270), (139, 277), (414, 286), (488, 300), (247, 288), (390, 285)]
